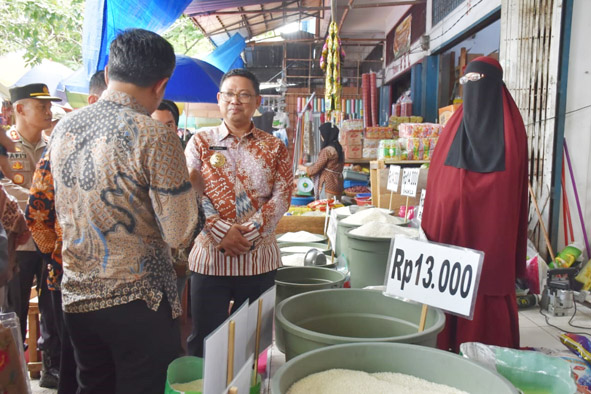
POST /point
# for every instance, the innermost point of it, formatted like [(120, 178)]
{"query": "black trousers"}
[(31, 267), (67, 367), (125, 348), (211, 296)]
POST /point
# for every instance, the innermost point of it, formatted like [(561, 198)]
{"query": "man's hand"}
[(234, 244)]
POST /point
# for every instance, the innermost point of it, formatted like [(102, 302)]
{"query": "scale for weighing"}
[(305, 186)]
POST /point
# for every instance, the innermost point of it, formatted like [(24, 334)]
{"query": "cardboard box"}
[(354, 137), (371, 144), (353, 152), (446, 112), (386, 199)]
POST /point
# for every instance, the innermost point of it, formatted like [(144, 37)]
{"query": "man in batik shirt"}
[(123, 199), (248, 184)]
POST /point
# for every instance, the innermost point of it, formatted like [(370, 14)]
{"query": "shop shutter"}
[(529, 54)]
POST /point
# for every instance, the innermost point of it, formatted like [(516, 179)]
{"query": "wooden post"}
[(257, 343), (233, 390), (230, 374), (541, 220), (406, 211), (390, 204), (423, 318)]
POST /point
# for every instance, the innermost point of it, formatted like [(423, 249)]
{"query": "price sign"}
[(421, 204), (393, 178), (438, 275), (331, 232), (410, 180)]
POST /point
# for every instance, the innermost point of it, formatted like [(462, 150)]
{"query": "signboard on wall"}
[(402, 37)]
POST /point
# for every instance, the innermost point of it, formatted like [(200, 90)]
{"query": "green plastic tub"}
[(367, 259), (341, 243), (430, 364), (335, 316), (291, 281), (183, 370)]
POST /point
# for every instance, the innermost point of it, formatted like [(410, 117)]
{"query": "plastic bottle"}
[(567, 256)]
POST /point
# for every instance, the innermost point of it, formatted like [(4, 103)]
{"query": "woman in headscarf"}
[(327, 172), (477, 197)]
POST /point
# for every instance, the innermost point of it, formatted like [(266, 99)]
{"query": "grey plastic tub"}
[(335, 316), (367, 259), (341, 243), (296, 248), (430, 364), (291, 281)]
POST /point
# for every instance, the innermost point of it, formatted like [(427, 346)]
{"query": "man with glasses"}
[(248, 185)]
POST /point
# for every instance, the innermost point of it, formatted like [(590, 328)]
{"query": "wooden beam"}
[(350, 5), (248, 29), (308, 9), (203, 31), (233, 25), (345, 41), (264, 17), (223, 26)]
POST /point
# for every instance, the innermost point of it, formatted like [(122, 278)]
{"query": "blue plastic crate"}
[(350, 183)]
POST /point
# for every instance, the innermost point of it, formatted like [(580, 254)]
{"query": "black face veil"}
[(479, 143)]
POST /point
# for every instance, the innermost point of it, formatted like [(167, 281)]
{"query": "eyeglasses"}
[(471, 77), (242, 97)]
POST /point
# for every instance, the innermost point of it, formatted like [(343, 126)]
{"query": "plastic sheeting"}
[(227, 56), (193, 81)]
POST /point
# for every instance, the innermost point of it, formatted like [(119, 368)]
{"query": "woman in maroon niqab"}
[(477, 198)]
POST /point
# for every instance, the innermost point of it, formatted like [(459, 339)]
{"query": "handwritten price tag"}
[(331, 232), (393, 178), (410, 180), (421, 205), (438, 275)]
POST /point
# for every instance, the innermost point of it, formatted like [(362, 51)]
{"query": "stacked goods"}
[(388, 149), (418, 130), (374, 99), (417, 140), (365, 92), (351, 137), (394, 121), (378, 133), (370, 149)]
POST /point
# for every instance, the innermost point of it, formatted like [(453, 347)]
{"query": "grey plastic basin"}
[(291, 281), (367, 259), (426, 363), (335, 316)]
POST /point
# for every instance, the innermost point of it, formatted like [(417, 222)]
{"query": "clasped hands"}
[(234, 243)]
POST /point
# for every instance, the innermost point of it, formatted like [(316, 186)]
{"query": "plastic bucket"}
[(291, 281), (295, 248), (183, 370), (430, 364), (335, 316), (368, 259), (341, 243)]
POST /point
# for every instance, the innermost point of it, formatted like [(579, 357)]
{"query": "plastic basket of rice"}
[(385, 368), (185, 375)]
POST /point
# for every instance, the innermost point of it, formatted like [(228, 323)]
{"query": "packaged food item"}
[(584, 276), (370, 153), (354, 137), (353, 151), (567, 256), (578, 344), (371, 144)]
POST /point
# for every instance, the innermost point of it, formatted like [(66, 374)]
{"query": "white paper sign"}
[(331, 232), (410, 180), (393, 178), (243, 378), (438, 275), (215, 366), (421, 205), (267, 317)]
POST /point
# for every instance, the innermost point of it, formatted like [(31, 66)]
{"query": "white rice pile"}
[(343, 211), (372, 215), (345, 381), (300, 236), (293, 260), (297, 249), (385, 230)]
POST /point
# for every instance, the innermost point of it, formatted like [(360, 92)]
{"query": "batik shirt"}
[(41, 220), (248, 181), (123, 199)]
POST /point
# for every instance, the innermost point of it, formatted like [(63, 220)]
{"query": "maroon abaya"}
[(484, 209)]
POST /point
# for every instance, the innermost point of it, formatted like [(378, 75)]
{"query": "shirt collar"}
[(225, 131), (15, 135), (124, 99)]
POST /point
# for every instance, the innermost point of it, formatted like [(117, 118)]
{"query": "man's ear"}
[(160, 86), (19, 108), (107, 75)]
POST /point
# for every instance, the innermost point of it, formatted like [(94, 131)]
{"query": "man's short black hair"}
[(140, 57), (167, 105), (242, 72), (97, 83)]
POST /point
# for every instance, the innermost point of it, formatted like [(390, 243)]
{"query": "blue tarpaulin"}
[(227, 56), (193, 81)]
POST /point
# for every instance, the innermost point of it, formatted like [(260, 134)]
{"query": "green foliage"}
[(46, 29), (187, 39)]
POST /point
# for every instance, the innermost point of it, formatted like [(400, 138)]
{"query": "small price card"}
[(331, 232), (393, 178), (438, 275), (421, 205), (410, 180)]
